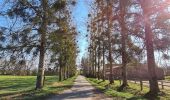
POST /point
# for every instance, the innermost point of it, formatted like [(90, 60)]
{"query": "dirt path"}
[(81, 90)]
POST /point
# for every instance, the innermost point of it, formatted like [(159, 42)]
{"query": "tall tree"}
[(149, 37), (43, 31), (109, 23), (122, 5), (30, 37)]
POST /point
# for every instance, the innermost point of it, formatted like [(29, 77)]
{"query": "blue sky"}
[(80, 17)]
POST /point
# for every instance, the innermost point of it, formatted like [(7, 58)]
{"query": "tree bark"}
[(99, 61), (103, 62), (60, 74), (123, 42), (95, 61), (93, 66), (42, 30), (64, 72), (109, 14), (154, 89)]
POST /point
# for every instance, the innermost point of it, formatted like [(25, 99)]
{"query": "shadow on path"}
[(81, 90)]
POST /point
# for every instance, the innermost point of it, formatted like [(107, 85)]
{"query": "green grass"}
[(132, 92), (167, 78), (23, 87)]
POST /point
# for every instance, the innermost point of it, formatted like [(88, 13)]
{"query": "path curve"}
[(81, 90)]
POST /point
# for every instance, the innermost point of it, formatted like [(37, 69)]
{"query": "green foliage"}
[(59, 5), (63, 47)]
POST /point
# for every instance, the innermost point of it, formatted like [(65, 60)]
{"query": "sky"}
[(80, 17)]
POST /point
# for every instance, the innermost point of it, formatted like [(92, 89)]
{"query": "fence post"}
[(141, 85), (135, 80), (162, 84)]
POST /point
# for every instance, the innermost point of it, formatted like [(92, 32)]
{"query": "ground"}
[(23, 87), (75, 88), (81, 90), (132, 92)]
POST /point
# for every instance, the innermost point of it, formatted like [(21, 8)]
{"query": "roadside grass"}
[(167, 78), (132, 92), (23, 87)]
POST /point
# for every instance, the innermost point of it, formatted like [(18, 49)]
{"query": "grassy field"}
[(23, 87), (133, 92)]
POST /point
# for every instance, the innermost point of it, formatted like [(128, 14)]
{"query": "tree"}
[(37, 20), (43, 31), (123, 8), (154, 89)]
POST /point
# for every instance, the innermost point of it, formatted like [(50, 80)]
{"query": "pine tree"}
[(37, 20)]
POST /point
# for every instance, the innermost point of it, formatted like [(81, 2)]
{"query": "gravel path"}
[(81, 90)]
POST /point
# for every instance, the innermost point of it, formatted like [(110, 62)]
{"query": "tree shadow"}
[(33, 94), (24, 88), (15, 93)]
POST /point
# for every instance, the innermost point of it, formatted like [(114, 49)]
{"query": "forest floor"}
[(81, 90), (23, 87)]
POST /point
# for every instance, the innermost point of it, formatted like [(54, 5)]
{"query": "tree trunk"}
[(60, 70), (110, 60), (150, 60), (154, 89), (123, 42), (64, 72), (99, 61), (103, 62), (67, 70), (109, 14), (95, 61), (42, 30), (91, 63), (60, 74)]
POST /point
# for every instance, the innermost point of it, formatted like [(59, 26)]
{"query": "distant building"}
[(134, 72), (167, 71)]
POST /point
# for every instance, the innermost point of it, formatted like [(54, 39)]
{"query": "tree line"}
[(124, 32), (40, 31)]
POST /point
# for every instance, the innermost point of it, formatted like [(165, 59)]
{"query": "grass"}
[(167, 78), (23, 87), (132, 92)]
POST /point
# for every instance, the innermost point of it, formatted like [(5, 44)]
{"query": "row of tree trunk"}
[(102, 39)]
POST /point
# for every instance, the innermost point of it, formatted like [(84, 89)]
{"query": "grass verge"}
[(167, 78), (132, 92), (23, 87)]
